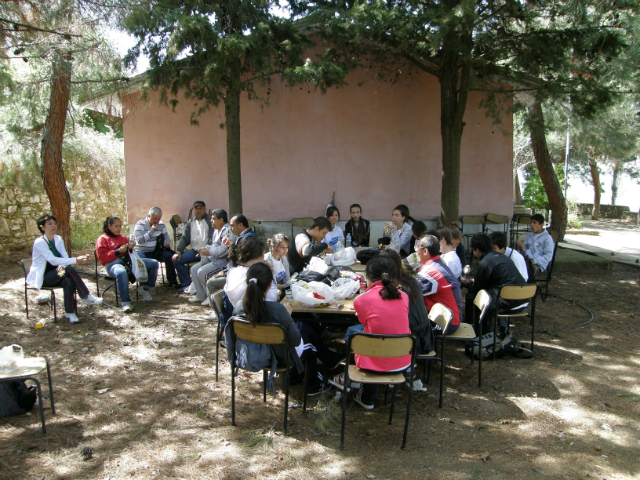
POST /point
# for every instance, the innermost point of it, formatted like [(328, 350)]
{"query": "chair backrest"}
[(250, 222), (482, 301), (497, 219), (441, 315), (26, 266), (472, 219), (381, 346), (522, 218), (303, 222), (217, 301), (553, 234), (518, 292), (267, 333)]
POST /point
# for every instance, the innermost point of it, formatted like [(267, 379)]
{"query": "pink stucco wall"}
[(376, 144)]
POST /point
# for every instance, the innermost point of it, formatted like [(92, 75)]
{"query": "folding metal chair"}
[(29, 368), (265, 334), (516, 292), (26, 266), (379, 346), (542, 279), (215, 301)]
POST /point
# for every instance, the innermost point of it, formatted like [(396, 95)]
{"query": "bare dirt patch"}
[(141, 392)]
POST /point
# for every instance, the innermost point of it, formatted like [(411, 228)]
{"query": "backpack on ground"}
[(505, 346), (16, 398)]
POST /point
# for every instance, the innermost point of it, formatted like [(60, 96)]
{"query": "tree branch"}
[(37, 29)]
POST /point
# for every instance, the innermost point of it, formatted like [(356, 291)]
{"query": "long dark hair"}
[(360, 233), (259, 278), (404, 211), (382, 269), (408, 283), (109, 221), (249, 249)]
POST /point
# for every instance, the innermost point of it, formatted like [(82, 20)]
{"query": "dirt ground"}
[(141, 392)]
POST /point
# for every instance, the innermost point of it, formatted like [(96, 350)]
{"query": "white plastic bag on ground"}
[(303, 292), (344, 288), (344, 257)]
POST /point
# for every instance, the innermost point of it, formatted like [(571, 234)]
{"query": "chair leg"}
[(285, 379), (264, 386), (44, 428), (26, 300), (306, 382), (393, 399), (441, 374), (53, 405), (217, 348), (406, 422), (344, 412), (55, 313), (233, 396), (479, 359)]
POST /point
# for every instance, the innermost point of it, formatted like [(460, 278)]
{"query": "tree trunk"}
[(557, 202), (232, 123), (614, 183), (51, 151), (454, 78), (595, 178)]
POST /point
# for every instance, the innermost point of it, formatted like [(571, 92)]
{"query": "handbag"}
[(138, 268)]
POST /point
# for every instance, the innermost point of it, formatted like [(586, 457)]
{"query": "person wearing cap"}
[(197, 233), (152, 241)]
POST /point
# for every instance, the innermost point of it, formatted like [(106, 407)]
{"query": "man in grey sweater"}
[(152, 241)]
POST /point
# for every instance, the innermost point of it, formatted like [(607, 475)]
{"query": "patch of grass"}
[(261, 438), (557, 334), (329, 415), (630, 397)]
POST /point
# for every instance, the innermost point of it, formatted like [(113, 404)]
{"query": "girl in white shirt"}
[(250, 251), (277, 257), (335, 235)]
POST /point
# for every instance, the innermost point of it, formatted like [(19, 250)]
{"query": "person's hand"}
[(203, 251), (176, 257), (167, 245), (154, 227), (197, 255), (226, 242), (281, 286), (382, 247), (123, 248), (288, 306), (521, 245), (82, 259), (466, 282), (533, 262), (218, 275), (328, 249)]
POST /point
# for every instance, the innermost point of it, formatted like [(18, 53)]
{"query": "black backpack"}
[(16, 398), (508, 345)]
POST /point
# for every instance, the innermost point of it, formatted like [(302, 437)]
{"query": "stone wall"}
[(93, 197), (606, 211)]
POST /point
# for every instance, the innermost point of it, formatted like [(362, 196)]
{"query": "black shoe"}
[(321, 389), (338, 364)]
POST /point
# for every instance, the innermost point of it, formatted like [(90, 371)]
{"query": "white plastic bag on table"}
[(11, 358), (318, 265), (344, 257), (344, 288), (138, 268), (303, 292)]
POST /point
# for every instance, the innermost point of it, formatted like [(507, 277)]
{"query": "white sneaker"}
[(126, 309), (91, 300), (195, 299), (73, 318), (145, 294), (191, 289), (206, 303), (211, 316)]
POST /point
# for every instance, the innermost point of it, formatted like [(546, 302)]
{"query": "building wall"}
[(375, 144)]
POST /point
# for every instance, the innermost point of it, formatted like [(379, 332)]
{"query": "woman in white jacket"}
[(277, 257), (52, 267)]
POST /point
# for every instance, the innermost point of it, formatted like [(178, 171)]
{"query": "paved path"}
[(623, 239)]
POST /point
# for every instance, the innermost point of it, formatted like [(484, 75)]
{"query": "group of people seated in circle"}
[(411, 269)]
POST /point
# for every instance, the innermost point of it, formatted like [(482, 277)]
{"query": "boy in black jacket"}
[(308, 244)]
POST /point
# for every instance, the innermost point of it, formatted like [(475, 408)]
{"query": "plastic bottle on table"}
[(348, 239)]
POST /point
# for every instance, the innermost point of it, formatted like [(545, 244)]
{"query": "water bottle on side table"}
[(348, 239)]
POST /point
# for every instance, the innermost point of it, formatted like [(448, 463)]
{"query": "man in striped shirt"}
[(152, 241)]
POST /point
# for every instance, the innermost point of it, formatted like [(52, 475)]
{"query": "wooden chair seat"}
[(465, 332), (422, 356), (362, 376)]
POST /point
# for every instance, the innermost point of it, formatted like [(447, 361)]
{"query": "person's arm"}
[(313, 250), (41, 247), (217, 248), (368, 234), (104, 253), (411, 264), (481, 280), (428, 284), (282, 317), (544, 258), (527, 246), (139, 233), (287, 276)]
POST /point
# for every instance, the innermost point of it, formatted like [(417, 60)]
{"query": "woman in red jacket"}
[(382, 309), (112, 248)]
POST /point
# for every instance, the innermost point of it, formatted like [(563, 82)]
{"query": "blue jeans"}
[(359, 328), (116, 270), (188, 256)]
